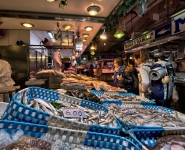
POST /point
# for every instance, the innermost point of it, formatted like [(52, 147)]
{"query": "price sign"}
[(73, 113)]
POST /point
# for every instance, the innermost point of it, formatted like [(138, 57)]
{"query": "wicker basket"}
[(20, 112), (92, 139)]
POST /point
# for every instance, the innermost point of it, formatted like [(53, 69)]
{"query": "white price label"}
[(73, 113)]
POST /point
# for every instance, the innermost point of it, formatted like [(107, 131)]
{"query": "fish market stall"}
[(21, 135), (120, 97), (83, 82), (159, 139), (135, 116), (46, 107)]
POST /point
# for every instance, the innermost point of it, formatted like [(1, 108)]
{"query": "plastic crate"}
[(122, 94), (92, 139), (127, 126), (20, 112), (148, 137)]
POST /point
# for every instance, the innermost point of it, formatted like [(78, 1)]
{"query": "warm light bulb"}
[(88, 28), (93, 10), (27, 25)]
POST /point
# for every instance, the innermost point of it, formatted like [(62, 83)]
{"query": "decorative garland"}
[(113, 19)]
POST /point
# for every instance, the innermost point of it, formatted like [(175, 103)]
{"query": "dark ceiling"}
[(137, 24)]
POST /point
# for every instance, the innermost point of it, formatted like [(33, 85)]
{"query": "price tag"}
[(73, 113)]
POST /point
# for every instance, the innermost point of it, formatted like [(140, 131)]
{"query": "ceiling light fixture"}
[(103, 36), (63, 3), (67, 27), (50, 1), (84, 40), (27, 25), (93, 10), (85, 35), (88, 28)]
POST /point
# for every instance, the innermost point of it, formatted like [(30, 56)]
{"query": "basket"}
[(2, 108), (120, 93), (127, 126), (48, 133), (148, 137), (21, 112)]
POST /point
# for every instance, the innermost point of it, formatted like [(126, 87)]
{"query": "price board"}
[(73, 113)]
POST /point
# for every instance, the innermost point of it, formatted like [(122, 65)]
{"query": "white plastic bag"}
[(175, 96)]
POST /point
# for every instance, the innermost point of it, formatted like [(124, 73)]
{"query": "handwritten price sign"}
[(73, 113)]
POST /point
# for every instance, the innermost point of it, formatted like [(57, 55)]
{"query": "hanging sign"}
[(163, 31), (178, 23), (73, 113), (140, 40)]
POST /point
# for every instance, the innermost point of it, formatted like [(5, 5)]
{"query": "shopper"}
[(141, 59), (118, 68), (98, 71), (129, 78), (6, 82), (91, 70), (57, 61)]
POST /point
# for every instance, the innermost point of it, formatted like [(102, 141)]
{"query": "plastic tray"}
[(92, 139), (21, 112), (127, 126), (120, 93), (148, 137)]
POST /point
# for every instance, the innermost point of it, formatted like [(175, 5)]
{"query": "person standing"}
[(6, 81), (91, 70), (141, 59), (118, 68), (57, 61), (98, 71), (129, 78)]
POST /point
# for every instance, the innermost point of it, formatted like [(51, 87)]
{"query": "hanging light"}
[(93, 53), (93, 10), (103, 36), (120, 31), (119, 34), (93, 47)]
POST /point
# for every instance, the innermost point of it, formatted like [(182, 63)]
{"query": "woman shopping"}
[(129, 78), (141, 59), (118, 68)]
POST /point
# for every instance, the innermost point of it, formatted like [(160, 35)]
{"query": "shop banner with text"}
[(178, 23), (140, 40)]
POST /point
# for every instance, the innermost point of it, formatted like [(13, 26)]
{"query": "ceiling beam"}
[(50, 16)]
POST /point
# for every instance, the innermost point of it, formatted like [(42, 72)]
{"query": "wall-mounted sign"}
[(163, 31), (178, 23), (140, 40)]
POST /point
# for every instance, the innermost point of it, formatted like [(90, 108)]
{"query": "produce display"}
[(146, 117), (81, 114), (170, 142), (123, 98), (83, 94)]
